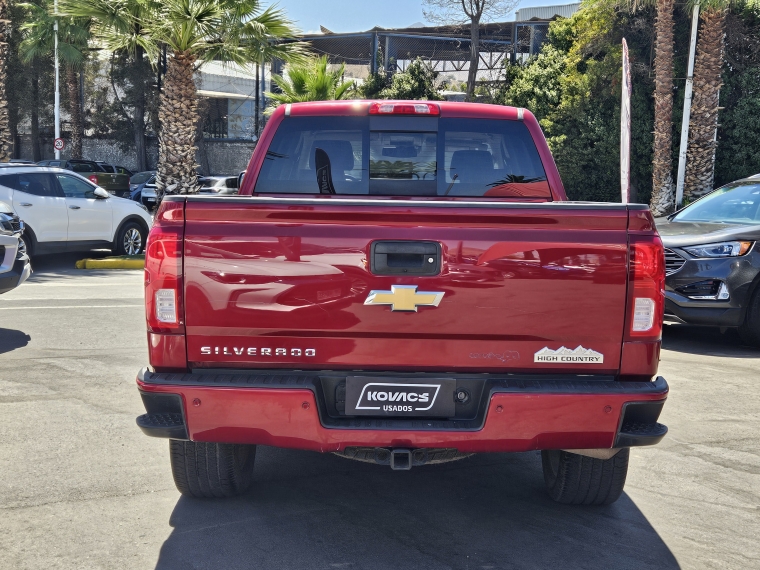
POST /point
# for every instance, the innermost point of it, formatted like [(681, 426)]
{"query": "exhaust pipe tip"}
[(401, 459)]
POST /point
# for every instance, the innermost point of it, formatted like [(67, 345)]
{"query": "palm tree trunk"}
[(472, 74), (34, 118), (663, 193), (139, 106), (178, 116), (75, 110), (700, 155), (6, 138)]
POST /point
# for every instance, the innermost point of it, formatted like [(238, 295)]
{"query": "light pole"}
[(687, 107), (57, 83)]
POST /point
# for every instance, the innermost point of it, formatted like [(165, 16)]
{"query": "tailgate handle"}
[(405, 258)]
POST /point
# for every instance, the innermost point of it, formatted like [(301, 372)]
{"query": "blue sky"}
[(360, 15)]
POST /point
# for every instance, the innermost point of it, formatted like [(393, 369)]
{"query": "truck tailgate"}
[(291, 283)]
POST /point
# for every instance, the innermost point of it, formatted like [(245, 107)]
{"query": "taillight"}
[(646, 287), (93, 178), (163, 269), (392, 108)]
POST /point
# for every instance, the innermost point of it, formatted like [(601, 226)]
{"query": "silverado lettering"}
[(422, 251), (254, 351)]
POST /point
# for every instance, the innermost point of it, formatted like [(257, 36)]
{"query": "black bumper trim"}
[(9, 280), (704, 316)]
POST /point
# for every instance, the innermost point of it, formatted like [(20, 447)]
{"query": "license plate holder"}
[(400, 397)]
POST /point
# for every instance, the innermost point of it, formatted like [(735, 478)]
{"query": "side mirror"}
[(100, 193)]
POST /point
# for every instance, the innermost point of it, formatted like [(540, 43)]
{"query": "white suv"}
[(64, 211)]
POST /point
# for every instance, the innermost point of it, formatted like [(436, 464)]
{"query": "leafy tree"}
[(738, 152), (468, 11), (416, 82), (194, 32), (310, 80), (573, 87), (38, 43), (373, 86), (537, 85), (117, 93)]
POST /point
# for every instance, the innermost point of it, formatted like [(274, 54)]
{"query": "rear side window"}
[(83, 167), (74, 187), (405, 156), (289, 166), (37, 184), (140, 177)]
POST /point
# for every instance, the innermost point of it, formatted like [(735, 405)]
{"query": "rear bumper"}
[(288, 410)]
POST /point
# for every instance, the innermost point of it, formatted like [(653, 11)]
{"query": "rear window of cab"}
[(403, 156)]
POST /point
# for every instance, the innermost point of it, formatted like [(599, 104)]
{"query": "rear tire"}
[(573, 479), (749, 330), (131, 239), (211, 470)]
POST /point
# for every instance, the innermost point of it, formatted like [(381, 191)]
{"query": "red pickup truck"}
[(403, 283)]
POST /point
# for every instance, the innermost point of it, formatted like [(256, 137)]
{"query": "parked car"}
[(64, 211), (15, 267), (136, 184), (114, 182), (713, 260), (219, 185), (404, 283), (146, 194)]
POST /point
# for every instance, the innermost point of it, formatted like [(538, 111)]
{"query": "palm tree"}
[(194, 32), (6, 137), (708, 66), (38, 42), (310, 80), (119, 26), (663, 192)]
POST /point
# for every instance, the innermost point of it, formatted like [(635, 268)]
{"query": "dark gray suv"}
[(712, 260)]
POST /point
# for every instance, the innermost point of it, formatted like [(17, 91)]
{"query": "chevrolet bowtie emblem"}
[(404, 298)]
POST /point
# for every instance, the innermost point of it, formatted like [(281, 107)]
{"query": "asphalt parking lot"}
[(82, 488)]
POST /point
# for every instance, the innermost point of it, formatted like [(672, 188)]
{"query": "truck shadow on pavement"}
[(11, 339), (309, 510), (706, 341)]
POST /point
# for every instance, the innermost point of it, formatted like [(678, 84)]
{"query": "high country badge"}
[(564, 355)]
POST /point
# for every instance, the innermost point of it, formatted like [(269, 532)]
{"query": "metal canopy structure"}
[(446, 48)]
